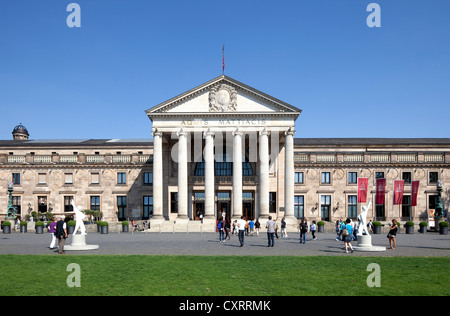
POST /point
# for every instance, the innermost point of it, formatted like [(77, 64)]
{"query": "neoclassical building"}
[(221, 149)]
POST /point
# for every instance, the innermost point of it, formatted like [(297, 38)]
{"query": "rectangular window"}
[(95, 178), (148, 178), (433, 177), (352, 177), (406, 176), (95, 203), (68, 178), (325, 178), (299, 206), (121, 208), (16, 178), (299, 178), (42, 178), (325, 206), (67, 204), (121, 178), (379, 175), (148, 207), (352, 206), (17, 204), (406, 207), (272, 202), (42, 204), (174, 202)]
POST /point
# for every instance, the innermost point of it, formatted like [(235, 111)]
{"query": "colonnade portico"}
[(223, 106), (210, 186)]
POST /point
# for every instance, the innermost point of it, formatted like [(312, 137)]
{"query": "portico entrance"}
[(230, 140)]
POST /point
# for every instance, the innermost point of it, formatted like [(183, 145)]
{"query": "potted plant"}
[(320, 226), (423, 227), (99, 226), (6, 227), (39, 227), (376, 226), (125, 226), (71, 226), (409, 226), (23, 226), (104, 227), (443, 228)]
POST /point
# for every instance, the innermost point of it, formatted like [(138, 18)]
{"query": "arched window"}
[(225, 167)]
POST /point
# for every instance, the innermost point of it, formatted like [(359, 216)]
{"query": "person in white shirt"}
[(241, 227)]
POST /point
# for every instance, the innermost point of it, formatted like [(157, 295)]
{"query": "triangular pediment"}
[(222, 95)]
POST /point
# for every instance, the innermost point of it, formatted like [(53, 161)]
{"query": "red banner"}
[(363, 184), (380, 191), (398, 191), (414, 191)]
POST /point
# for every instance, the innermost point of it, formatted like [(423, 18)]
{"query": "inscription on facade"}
[(226, 122)]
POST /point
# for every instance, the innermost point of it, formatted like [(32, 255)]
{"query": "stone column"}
[(264, 174), (209, 175), (289, 177), (182, 177), (237, 174), (157, 176)]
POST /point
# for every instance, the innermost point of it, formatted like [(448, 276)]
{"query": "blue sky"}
[(318, 55)]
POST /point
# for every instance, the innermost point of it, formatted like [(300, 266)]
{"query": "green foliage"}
[(376, 223), (23, 223), (39, 223), (125, 223), (423, 224), (443, 224), (409, 223), (6, 223), (320, 223), (71, 223)]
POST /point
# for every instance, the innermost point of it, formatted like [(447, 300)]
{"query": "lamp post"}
[(11, 213)]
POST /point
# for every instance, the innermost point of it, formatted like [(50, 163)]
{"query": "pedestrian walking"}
[(369, 226), (241, 228), (355, 226), (271, 228), (52, 230), (392, 233), (251, 225), (313, 230), (257, 227), (220, 229), (227, 229), (338, 230), (276, 229), (346, 233), (303, 230), (61, 234), (283, 228)]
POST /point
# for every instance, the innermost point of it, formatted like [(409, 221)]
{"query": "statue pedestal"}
[(79, 243), (365, 244)]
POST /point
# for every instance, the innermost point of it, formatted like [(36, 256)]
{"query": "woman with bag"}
[(347, 235), (392, 233)]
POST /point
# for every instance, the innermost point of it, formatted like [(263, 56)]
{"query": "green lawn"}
[(228, 275)]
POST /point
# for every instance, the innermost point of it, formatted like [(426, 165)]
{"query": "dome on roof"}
[(20, 132)]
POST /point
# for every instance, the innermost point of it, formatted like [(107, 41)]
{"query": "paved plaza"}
[(205, 244)]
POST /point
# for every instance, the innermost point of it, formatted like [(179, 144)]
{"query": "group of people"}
[(345, 231), (58, 231), (348, 231), (244, 227)]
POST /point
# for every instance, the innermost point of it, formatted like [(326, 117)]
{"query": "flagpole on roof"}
[(223, 59)]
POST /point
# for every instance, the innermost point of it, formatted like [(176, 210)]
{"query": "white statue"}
[(363, 219), (79, 219)]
